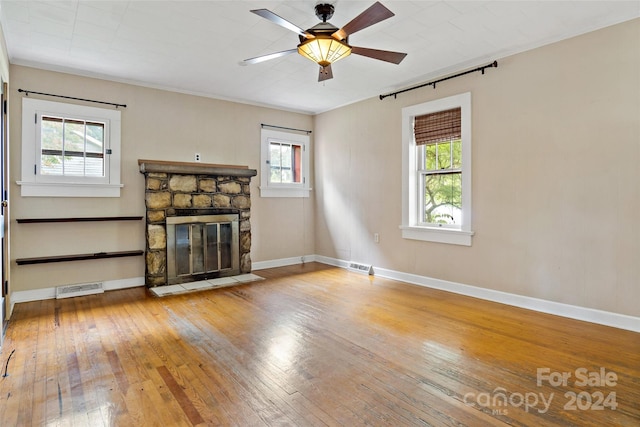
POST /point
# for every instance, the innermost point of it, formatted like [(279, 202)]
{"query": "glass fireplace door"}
[(199, 248)]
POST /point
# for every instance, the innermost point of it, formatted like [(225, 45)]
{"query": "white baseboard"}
[(283, 262), (133, 282), (600, 317)]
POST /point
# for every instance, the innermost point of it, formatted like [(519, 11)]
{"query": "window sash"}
[(288, 168), (96, 171), (423, 172)]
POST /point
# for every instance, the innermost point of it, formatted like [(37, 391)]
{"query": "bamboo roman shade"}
[(438, 127)]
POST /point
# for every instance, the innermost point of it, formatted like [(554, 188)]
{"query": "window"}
[(69, 150), (285, 164), (284, 161), (437, 171), (71, 147)]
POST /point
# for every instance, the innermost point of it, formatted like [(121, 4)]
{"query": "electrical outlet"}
[(376, 237), (197, 157)]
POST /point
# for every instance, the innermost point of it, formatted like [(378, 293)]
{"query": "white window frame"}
[(33, 184), (411, 192), (276, 189)]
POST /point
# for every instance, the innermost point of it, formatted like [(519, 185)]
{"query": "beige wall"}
[(156, 125), (556, 183), (556, 177)]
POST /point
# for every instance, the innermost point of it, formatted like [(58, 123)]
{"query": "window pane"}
[(51, 140), (287, 175), (74, 165), (274, 161), (94, 166), (457, 154), (430, 151), (274, 156), (51, 133), (286, 156), (95, 137), (444, 155), (51, 165), (74, 136), (275, 175), (443, 201)]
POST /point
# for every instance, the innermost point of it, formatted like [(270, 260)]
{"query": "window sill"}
[(438, 235), (40, 189), (284, 192)]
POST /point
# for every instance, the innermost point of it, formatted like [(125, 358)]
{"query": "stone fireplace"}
[(198, 221)]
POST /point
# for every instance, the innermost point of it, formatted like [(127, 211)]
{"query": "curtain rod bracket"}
[(27, 92)]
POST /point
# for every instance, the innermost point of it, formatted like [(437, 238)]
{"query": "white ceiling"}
[(196, 46)]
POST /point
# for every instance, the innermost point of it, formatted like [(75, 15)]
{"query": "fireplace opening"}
[(202, 247)]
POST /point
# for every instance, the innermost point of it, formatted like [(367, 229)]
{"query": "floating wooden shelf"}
[(85, 219), (78, 257)]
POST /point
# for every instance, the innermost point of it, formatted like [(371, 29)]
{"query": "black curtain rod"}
[(281, 127), (71, 97), (494, 64)]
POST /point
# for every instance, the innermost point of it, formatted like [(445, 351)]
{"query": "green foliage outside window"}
[(443, 182)]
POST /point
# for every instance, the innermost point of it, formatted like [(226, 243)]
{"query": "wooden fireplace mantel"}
[(168, 166)]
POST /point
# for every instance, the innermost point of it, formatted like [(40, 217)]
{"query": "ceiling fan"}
[(325, 44)]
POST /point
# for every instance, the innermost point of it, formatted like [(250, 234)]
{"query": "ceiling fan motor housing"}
[(324, 11), (321, 29)]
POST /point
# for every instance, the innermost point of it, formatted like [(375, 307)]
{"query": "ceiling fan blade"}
[(382, 55), (325, 73), (267, 57), (267, 14), (374, 14)]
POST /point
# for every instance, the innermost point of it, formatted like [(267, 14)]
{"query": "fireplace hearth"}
[(198, 221)]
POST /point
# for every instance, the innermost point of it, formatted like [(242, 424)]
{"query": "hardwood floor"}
[(311, 345)]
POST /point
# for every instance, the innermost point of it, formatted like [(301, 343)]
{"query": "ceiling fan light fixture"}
[(324, 49)]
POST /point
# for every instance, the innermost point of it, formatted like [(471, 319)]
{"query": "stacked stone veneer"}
[(179, 189)]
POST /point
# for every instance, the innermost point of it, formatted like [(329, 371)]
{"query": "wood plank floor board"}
[(231, 372), (311, 345), (204, 401)]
